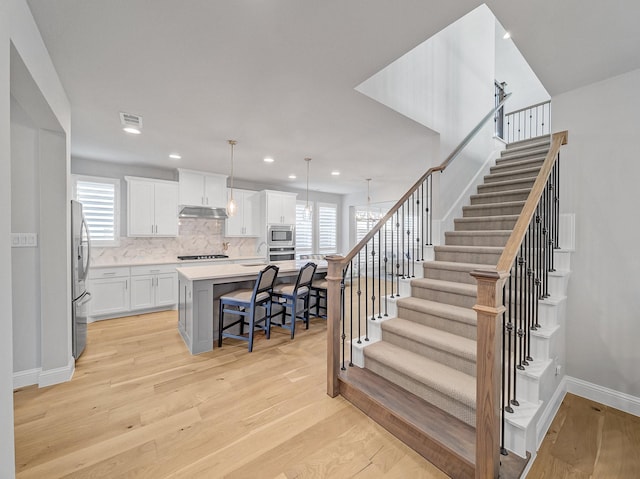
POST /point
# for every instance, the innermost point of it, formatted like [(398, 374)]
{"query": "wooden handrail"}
[(454, 154), (520, 229)]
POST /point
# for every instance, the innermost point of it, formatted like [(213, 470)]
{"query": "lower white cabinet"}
[(109, 288), (153, 286), (120, 291)]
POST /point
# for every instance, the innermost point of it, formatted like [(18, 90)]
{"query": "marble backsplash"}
[(195, 236)]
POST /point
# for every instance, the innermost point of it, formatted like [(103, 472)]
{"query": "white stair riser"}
[(520, 439), (551, 313), (404, 288), (543, 346), (558, 284), (562, 260), (375, 327), (358, 350), (532, 385)]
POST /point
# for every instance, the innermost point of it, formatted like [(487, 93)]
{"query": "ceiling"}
[(279, 77)]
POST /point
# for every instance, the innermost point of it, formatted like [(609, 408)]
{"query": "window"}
[(327, 228), (304, 231), (100, 198), (318, 235)]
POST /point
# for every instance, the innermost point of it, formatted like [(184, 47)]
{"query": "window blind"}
[(327, 228), (304, 231), (99, 204)]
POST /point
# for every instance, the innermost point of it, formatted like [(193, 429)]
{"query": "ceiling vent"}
[(130, 120)]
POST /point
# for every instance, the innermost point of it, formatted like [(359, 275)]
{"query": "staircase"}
[(427, 345)]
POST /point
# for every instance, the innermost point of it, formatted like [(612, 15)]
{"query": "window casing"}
[(100, 198)]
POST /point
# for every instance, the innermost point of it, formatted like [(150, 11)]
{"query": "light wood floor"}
[(140, 406), (588, 440)]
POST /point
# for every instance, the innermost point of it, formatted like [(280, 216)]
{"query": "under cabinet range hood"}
[(203, 212)]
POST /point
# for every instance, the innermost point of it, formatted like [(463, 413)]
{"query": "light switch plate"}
[(24, 240)]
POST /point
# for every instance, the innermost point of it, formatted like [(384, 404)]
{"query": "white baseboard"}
[(609, 397), (57, 375), (27, 377)]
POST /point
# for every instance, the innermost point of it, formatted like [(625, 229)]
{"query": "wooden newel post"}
[(334, 278), (489, 308)]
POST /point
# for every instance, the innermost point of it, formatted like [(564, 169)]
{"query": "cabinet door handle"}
[(109, 274)]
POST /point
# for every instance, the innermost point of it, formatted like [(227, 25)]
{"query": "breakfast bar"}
[(200, 287)]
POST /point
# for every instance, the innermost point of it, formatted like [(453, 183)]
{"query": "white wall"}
[(25, 262), (447, 85), (18, 28), (512, 68), (600, 170)]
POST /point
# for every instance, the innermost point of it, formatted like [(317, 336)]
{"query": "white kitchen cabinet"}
[(153, 286), (280, 207), (245, 221), (109, 288), (199, 188), (152, 207)]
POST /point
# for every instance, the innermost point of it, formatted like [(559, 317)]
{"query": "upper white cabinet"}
[(280, 207), (152, 207), (245, 221), (198, 188)]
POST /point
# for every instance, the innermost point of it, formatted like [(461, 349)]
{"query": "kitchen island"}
[(199, 290)]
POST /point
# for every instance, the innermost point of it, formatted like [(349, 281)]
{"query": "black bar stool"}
[(319, 292), (244, 302), (286, 297)]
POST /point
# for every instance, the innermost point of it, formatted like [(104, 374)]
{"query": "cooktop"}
[(203, 256)]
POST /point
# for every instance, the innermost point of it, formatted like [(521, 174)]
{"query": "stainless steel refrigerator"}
[(80, 252)]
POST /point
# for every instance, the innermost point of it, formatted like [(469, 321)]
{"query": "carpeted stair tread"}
[(446, 286), (504, 207), (534, 161), (509, 155), (455, 266), (542, 140), (432, 337), (496, 197), (468, 254), (457, 385), (485, 223), (507, 185), (447, 311), (483, 238), (530, 172)]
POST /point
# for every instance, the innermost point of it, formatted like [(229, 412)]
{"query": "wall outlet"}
[(24, 240)]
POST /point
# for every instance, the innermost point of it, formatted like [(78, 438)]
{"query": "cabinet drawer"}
[(106, 273), (152, 269)]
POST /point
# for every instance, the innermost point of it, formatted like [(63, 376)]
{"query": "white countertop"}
[(224, 271), (176, 261)]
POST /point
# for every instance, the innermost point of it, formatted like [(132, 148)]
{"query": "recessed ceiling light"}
[(335, 173), (506, 36), (292, 177), (132, 130), (175, 156), (268, 160)]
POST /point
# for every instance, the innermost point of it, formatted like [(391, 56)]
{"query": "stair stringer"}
[(540, 382)]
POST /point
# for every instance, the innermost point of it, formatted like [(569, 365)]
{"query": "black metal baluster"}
[(344, 336), (379, 273), (510, 350), (548, 241), (373, 277), (410, 257), (392, 256), (529, 290), (545, 235), (430, 209), (413, 236), (386, 278), (366, 291), (359, 297), (514, 369), (351, 314), (520, 276), (503, 450), (402, 251), (397, 253), (421, 218)]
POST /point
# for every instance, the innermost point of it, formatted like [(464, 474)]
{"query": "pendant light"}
[(307, 208), (232, 207)]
